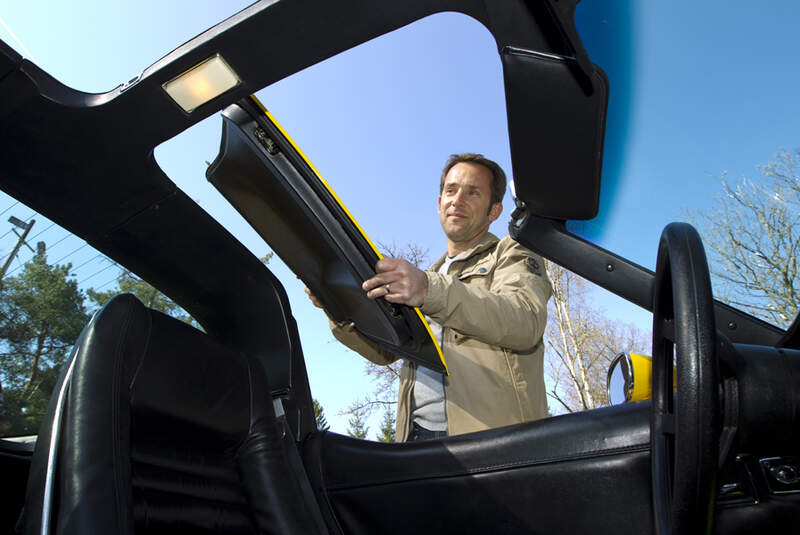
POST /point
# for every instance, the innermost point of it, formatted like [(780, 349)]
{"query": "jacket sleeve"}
[(347, 335), (512, 313)]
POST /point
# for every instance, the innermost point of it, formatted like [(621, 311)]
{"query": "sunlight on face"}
[(465, 205)]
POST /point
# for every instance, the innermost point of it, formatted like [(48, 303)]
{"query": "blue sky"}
[(712, 89)]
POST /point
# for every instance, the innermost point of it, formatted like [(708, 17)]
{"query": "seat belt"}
[(296, 465)]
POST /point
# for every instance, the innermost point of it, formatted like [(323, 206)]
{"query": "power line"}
[(70, 254), (62, 239), (9, 208), (45, 230), (27, 219), (56, 243), (20, 264), (96, 273), (98, 255), (26, 229), (115, 279)]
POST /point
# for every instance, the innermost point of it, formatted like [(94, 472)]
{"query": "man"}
[(486, 300)]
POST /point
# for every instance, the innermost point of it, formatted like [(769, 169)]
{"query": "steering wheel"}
[(684, 430)]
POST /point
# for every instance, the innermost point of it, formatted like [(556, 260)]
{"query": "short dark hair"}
[(498, 176)]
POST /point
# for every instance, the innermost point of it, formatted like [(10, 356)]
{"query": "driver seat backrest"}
[(160, 429)]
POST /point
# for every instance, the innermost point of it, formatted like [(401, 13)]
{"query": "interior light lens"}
[(201, 83)]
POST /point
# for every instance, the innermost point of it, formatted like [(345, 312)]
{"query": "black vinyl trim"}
[(551, 239), (488, 469), (260, 172), (16, 449)]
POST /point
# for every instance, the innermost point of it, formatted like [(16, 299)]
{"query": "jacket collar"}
[(488, 241)]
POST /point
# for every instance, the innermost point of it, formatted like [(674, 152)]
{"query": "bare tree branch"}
[(752, 232), (412, 252), (580, 343), (386, 378)]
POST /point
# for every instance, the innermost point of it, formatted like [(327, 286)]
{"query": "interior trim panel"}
[(528, 476)]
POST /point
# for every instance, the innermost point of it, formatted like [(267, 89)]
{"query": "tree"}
[(386, 378), (151, 297), (357, 423), (581, 342), (319, 416), (386, 433), (752, 232), (412, 252), (41, 316)]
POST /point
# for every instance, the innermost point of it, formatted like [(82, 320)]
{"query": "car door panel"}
[(559, 474)]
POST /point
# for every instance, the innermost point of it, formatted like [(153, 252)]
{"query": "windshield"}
[(702, 127)]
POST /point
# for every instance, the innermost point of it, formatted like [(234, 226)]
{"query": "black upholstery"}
[(164, 430), (578, 473)]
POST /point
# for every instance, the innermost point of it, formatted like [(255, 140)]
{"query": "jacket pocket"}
[(479, 273), (457, 337)]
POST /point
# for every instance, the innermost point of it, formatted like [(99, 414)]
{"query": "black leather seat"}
[(161, 430)]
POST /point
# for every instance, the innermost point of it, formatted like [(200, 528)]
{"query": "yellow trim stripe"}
[(316, 172), (349, 215), (433, 338)]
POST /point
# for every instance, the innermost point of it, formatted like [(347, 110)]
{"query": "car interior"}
[(156, 426)]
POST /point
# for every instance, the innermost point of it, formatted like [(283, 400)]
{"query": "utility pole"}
[(26, 228)]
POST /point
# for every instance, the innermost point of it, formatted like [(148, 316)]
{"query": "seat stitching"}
[(115, 417)]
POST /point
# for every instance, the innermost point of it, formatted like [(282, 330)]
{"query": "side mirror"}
[(629, 378)]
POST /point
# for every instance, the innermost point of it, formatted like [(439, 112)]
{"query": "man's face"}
[(464, 204)]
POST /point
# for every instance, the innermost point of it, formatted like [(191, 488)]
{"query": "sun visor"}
[(557, 164), (263, 174)]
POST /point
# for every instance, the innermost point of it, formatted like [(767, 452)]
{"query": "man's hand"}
[(316, 302), (398, 281)]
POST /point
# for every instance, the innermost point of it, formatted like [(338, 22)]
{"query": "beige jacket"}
[(492, 307)]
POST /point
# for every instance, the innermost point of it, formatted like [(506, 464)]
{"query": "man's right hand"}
[(316, 302), (397, 281)]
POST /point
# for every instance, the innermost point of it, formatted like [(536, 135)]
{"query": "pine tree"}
[(127, 282), (358, 426), (319, 417), (41, 316), (386, 431)]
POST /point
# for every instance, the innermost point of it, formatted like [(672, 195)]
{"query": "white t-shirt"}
[(427, 397)]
